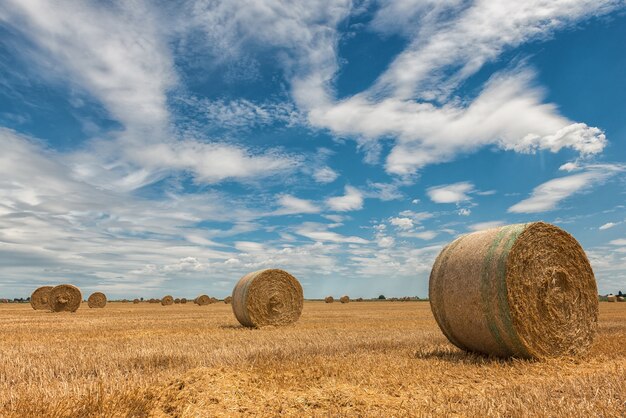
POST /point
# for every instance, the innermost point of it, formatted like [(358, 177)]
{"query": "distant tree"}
[(382, 297), (619, 293), (141, 299)]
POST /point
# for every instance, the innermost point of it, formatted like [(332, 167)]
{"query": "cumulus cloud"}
[(608, 225), (485, 225), (319, 232), (450, 193), (351, 200), (401, 223), (293, 205), (325, 175)]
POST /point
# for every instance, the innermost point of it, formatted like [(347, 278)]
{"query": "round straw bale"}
[(97, 300), (524, 290), (344, 299), (620, 298), (183, 300), (359, 300), (214, 299), (65, 297), (228, 299), (329, 299), (267, 297), (177, 300), (611, 298), (167, 300), (203, 300), (40, 299), (135, 301)]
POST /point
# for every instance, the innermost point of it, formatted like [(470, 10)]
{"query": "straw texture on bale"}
[(267, 297), (40, 299), (344, 299), (228, 299), (611, 298), (329, 299), (97, 300), (524, 290), (167, 300), (203, 300), (65, 297)]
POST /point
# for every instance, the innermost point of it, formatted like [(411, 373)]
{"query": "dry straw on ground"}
[(329, 299), (167, 300), (267, 297), (344, 299), (202, 300), (228, 299), (523, 290), (65, 297), (40, 299), (97, 300)]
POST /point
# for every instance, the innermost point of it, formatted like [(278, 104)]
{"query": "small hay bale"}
[(203, 300), (344, 299), (329, 299), (177, 300), (183, 300), (97, 300), (40, 299), (167, 300), (524, 290), (136, 301), (267, 297), (214, 299), (611, 298), (359, 300), (620, 298), (228, 299), (65, 298)]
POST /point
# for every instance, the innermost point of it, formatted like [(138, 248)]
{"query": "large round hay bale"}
[(97, 300), (344, 299), (611, 298), (40, 299), (228, 299), (202, 300), (167, 300), (524, 290), (183, 300), (267, 297), (329, 299), (65, 297)]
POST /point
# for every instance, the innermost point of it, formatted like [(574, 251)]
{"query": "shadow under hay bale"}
[(40, 299), (527, 290), (329, 299), (65, 298), (167, 300), (344, 299), (97, 300), (267, 297)]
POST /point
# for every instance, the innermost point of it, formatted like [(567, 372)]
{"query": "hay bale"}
[(611, 298), (136, 301), (177, 300), (524, 290), (359, 300), (329, 299), (202, 300), (267, 297), (97, 300), (167, 300), (183, 300), (40, 299), (620, 298), (344, 299), (65, 297), (228, 299), (214, 299)]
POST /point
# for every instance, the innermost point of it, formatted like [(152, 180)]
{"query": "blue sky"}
[(151, 148)]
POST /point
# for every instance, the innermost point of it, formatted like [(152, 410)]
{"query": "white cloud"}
[(618, 242), (548, 195), (318, 232), (485, 225), (424, 235), (352, 200), (385, 241), (401, 223), (450, 193), (325, 175), (293, 205), (464, 212), (608, 225)]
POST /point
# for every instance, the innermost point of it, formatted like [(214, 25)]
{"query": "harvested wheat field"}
[(365, 359)]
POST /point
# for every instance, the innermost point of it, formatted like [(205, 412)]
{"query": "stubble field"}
[(360, 359)]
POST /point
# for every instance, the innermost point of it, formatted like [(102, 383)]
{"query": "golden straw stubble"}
[(97, 300), (267, 297), (167, 300), (40, 299), (65, 298), (524, 290)]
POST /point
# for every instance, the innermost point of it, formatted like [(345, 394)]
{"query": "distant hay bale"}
[(65, 297), (344, 299), (167, 300), (135, 301), (267, 297), (524, 290), (359, 300), (202, 300), (97, 300), (620, 298), (611, 298), (329, 299), (177, 300), (214, 299), (228, 299), (40, 299), (183, 300)]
